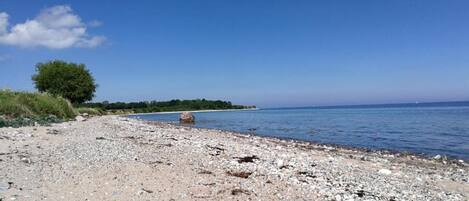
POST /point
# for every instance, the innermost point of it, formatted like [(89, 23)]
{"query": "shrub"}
[(68, 80), (37, 105), (90, 111)]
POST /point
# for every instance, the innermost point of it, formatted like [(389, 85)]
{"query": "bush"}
[(68, 80), (34, 105), (90, 111)]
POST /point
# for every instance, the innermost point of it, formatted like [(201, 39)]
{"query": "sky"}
[(265, 53)]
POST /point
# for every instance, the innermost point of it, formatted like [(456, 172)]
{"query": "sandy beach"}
[(117, 158)]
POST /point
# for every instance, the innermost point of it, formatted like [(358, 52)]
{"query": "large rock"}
[(187, 118)]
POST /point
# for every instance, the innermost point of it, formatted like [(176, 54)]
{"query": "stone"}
[(187, 118), (279, 163), (338, 198), (80, 118), (437, 157), (385, 171), (25, 160)]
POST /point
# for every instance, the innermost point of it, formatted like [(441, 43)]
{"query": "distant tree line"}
[(162, 106)]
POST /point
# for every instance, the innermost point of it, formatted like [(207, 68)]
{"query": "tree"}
[(69, 80)]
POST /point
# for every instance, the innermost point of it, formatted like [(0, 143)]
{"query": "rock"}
[(147, 191), (53, 132), (187, 118), (80, 118), (338, 197), (385, 171), (140, 192), (279, 163), (460, 161), (26, 160), (85, 114), (437, 157)]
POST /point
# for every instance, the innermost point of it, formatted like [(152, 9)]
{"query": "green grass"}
[(34, 105)]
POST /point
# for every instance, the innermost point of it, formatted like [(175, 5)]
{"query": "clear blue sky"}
[(265, 53)]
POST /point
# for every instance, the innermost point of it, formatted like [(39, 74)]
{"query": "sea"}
[(427, 129)]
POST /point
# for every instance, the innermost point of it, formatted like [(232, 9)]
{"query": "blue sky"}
[(265, 53)]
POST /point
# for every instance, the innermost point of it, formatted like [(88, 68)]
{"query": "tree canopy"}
[(69, 80)]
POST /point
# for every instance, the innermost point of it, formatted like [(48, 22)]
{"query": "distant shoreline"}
[(194, 111)]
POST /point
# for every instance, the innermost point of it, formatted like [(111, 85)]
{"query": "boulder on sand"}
[(187, 118)]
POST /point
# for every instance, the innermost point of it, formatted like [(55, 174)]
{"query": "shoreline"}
[(193, 111), (318, 145), (122, 158), (395, 152)]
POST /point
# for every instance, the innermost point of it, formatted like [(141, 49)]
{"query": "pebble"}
[(385, 171)]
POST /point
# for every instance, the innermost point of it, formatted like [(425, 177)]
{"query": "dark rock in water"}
[(252, 129), (187, 118), (312, 131)]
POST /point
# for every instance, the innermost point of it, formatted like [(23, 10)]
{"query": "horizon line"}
[(425, 104)]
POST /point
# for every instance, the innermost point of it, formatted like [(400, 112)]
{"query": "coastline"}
[(119, 158), (193, 111), (324, 146)]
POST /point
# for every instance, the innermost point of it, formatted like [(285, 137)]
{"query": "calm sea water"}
[(427, 129)]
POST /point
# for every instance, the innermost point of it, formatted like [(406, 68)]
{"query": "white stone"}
[(338, 198), (279, 163), (79, 118), (385, 171)]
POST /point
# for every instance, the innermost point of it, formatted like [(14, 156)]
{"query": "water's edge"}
[(315, 144)]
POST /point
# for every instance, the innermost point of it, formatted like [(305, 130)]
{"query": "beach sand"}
[(117, 158)]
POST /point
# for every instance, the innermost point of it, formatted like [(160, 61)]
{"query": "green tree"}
[(69, 80)]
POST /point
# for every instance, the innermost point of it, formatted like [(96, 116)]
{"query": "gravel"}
[(117, 158)]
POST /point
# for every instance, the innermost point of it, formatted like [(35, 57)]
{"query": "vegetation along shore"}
[(64, 89)]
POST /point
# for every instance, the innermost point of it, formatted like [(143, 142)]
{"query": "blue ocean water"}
[(429, 129)]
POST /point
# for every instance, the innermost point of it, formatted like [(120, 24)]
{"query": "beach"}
[(119, 158)]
